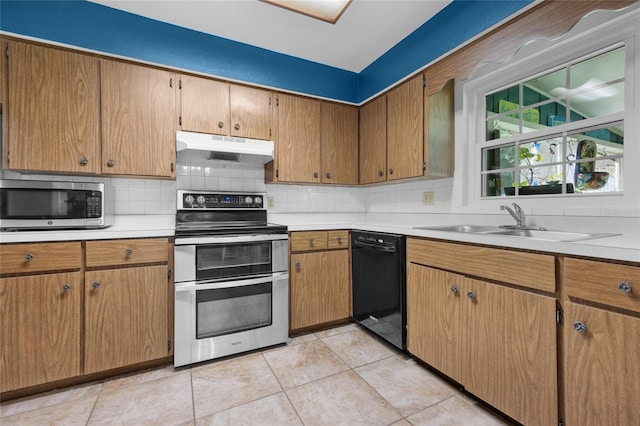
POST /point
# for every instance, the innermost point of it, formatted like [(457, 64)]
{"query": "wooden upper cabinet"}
[(205, 105), (53, 110), (250, 111), (138, 120), (439, 132), (219, 108), (405, 141), (339, 143), (373, 141), (298, 139)]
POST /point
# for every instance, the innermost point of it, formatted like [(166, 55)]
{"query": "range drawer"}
[(338, 239), (40, 257), (601, 282), (308, 241), (126, 252)]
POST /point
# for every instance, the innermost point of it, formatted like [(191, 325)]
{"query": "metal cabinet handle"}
[(315, 175), (339, 239), (380, 173), (454, 289), (298, 265), (471, 295), (624, 287), (84, 161), (220, 124), (66, 287), (128, 252), (580, 327), (110, 163), (95, 284), (311, 240), (328, 175), (28, 258), (237, 126), (390, 171)]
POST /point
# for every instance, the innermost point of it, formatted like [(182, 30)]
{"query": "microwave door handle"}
[(192, 285)]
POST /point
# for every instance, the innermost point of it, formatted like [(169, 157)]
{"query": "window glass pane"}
[(597, 101), (602, 176), (499, 158), (605, 68), (545, 87), (505, 100), (495, 184), (502, 126)]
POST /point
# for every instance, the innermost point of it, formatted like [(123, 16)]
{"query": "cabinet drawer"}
[(614, 285), (532, 270), (39, 257), (308, 241), (338, 239), (127, 252)]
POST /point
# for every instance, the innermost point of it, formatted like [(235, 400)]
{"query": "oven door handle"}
[(212, 285), (230, 239)]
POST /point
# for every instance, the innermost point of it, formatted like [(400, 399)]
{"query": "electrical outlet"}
[(427, 198), (271, 202)]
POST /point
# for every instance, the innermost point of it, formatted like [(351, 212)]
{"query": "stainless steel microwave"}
[(32, 205)]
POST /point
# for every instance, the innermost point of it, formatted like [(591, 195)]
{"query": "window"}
[(558, 132)]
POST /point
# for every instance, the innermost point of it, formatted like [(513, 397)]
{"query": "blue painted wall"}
[(92, 26)]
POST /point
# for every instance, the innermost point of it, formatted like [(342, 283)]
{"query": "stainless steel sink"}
[(533, 233)]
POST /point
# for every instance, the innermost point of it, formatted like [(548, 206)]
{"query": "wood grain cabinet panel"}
[(339, 143), (601, 367), (126, 252), (250, 112), (29, 258), (39, 329), (204, 105), (139, 120), (125, 317), (308, 241), (373, 141), (405, 133), (53, 110), (338, 240), (439, 132)]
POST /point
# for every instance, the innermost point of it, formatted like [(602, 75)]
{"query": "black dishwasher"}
[(379, 284)]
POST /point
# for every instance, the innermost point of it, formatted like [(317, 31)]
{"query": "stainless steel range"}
[(232, 278)]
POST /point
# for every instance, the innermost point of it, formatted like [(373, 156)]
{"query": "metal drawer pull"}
[(624, 287), (311, 241), (28, 258), (580, 327), (84, 161), (111, 163), (95, 284), (220, 124), (298, 265), (128, 252), (471, 295), (237, 126), (340, 239), (66, 287), (454, 289)]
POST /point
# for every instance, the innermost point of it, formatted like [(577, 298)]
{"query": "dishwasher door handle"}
[(386, 249)]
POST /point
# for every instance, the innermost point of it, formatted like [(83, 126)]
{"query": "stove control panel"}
[(219, 200)]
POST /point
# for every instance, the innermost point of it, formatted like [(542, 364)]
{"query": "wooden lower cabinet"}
[(39, 329), (496, 341), (320, 288), (125, 317), (601, 367)]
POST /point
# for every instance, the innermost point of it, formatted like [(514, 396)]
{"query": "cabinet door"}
[(138, 120), (125, 317), (336, 298), (433, 319), (601, 367), (204, 105), (250, 112), (298, 141), (510, 337), (439, 126), (39, 329), (405, 141), (306, 279), (53, 110), (373, 141), (339, 127)]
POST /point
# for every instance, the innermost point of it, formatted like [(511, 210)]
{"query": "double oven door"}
[(232, 295)]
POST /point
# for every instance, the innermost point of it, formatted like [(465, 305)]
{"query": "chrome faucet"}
[(518, 215)]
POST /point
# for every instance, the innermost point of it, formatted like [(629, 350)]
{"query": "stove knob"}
[(248, 200), (188, 199), (201, 199), (258, 201)]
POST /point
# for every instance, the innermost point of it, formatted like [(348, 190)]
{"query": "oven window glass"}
[(232, 260), (233, 309), (43, 204)]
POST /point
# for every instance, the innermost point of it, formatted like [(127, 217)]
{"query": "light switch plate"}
[(271, 202)]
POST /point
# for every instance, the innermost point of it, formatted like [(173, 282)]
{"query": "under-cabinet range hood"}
[(200, 146)]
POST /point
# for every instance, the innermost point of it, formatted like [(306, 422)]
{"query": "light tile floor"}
[(341, 376)]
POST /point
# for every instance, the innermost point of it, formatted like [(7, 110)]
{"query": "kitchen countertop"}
[(623, 247)]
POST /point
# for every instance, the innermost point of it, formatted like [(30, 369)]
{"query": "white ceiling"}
[(366, 30)]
